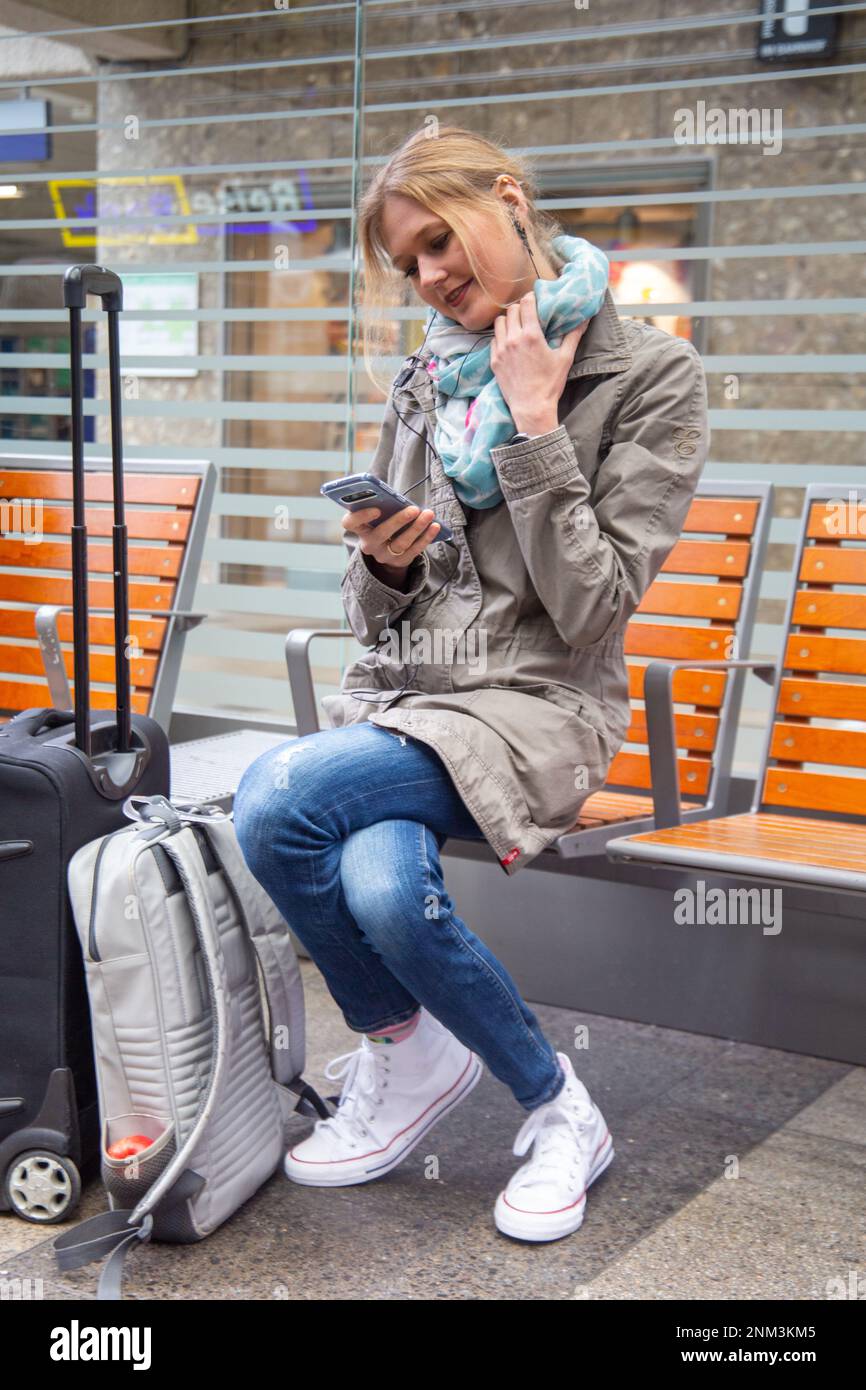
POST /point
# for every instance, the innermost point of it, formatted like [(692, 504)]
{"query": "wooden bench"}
[(167, 511), (711, 583), (807, 823)]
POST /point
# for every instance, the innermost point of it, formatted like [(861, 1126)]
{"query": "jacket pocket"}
[(555, 755), (570, 699)]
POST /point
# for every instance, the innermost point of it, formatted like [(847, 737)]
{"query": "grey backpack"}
[(197, 1014)]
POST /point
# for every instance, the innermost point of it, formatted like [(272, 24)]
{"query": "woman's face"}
[(425, 246)]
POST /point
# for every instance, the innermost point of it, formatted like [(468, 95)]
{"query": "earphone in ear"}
[(521, 232), (518, 227)]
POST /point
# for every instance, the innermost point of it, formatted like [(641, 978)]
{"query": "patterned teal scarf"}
[(461, 369)]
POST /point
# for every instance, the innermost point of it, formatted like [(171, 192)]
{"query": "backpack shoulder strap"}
[(184, 852), (269, 934), (110, 1233)]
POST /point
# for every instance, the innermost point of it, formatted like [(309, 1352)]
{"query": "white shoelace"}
[(555, 1129), (361, 1082)]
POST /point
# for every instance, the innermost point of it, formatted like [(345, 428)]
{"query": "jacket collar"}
[(603, 348)]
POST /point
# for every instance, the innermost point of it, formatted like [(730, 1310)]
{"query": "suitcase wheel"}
[(42, 1186)]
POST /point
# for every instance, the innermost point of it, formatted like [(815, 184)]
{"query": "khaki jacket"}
[(521, 685)]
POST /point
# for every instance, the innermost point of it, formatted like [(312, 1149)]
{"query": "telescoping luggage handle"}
[(78, 282)]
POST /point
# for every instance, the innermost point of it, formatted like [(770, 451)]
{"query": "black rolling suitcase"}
[(63, 780)]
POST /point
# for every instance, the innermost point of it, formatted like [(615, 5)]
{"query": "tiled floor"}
[(664, 1221)]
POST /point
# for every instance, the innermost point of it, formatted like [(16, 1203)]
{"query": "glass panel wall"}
[(215, 162)]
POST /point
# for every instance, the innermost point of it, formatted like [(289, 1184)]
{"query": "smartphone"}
[(362, 490)]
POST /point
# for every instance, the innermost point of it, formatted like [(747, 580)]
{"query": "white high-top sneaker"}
[(545, 1198), (392, 1095)]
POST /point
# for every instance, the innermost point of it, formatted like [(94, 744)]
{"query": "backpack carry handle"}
[(30, 721)]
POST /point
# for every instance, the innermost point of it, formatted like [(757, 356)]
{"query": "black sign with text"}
[(795, 29)]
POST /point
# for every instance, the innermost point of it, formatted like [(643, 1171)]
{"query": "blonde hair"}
[(450, 171)]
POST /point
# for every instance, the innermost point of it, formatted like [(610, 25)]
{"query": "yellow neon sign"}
[(170, 184)]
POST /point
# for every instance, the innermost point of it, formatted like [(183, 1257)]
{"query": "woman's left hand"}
[(530, 374)]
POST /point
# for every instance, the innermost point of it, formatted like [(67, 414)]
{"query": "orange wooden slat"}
[(21, 622), (609, 807), (727, 559), (830, 564), (684, 599), (678, 641), (731, 516), (27, 661), (818, 608), (629, 769), (171, 489), (693, 731), (804, 743), (141, 559), (809, 651), (18, 695), (140, 524), (827, 699), (839, 519), (20, 588), (814, 791), (689, 687)]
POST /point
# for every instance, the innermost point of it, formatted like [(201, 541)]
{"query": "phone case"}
[(384, 493)]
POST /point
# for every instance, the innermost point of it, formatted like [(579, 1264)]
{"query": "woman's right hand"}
[(373, 540)]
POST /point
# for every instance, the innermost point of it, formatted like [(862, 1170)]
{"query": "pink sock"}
[(397, 1031)]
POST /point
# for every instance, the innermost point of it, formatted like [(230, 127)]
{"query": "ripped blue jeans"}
[(343, 829)]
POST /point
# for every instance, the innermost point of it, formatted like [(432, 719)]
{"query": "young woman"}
[(565, 473)]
